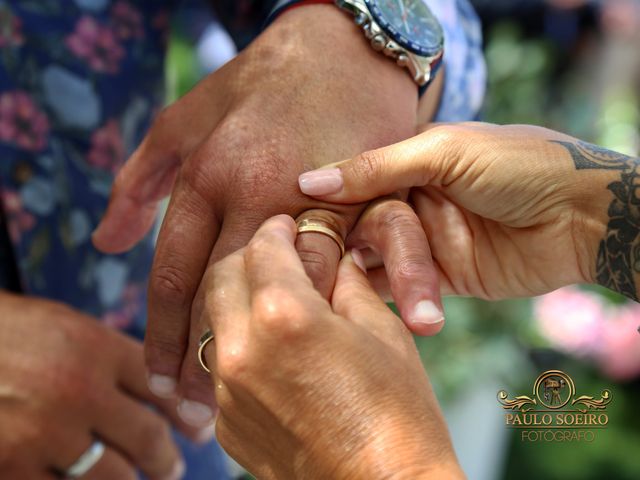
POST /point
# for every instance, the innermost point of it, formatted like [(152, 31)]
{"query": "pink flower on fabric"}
[(107, 148), (127, 21), (10, 29), (19, 221), (97, 45), (22, 123), (132, 304), (571, 320)]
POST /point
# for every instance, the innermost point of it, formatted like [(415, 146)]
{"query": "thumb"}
[(355, 299), (419, 161), (145, 179)]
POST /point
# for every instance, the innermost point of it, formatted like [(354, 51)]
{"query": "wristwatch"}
[(405, 30)]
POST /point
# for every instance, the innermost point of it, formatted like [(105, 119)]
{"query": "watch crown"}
[(378, 42), (403, 60)]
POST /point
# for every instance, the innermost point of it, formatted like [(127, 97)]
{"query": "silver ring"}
[(86, 461)]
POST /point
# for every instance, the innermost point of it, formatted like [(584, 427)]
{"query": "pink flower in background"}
[(571, 319), (619, 356), (22, 123), (127, 21), (581, 323), (19, 221), (10, 29), (96, 44), (107, 148)]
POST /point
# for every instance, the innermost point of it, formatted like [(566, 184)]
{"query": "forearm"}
[(611, 210)]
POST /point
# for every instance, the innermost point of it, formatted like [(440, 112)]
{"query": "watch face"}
[(410, 23)]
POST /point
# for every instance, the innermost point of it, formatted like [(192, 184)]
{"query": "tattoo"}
[(619, 252)]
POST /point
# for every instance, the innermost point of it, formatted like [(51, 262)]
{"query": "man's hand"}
[(66, 380), (314, 390), (308, 91)]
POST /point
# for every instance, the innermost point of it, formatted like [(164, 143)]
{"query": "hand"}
[(296, 99), (504, 208), (65, 380), (312, 390)]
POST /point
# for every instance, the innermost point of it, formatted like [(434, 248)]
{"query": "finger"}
[(144, 180), (271, 257), (380, 283), (132, 381), (392, 229), (355, 299), (197, 401), (112, 465), (189, 230), (418, 161), (149, 174), (319, 253), (141, 435)]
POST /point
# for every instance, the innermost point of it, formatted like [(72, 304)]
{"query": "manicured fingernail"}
[(177, 472), (426, 312), (162, 386), (358, 259), (195, 414), (205, 435), (321, 182)]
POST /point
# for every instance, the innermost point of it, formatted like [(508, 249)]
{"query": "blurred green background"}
[(572, 66)]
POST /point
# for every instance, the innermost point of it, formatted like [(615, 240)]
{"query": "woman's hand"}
[(312, 390), (66, 380), (508, 210)]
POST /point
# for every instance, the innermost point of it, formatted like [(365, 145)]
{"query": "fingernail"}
[(205, 435), (426, 312), (162, 386), (321, 182), (195, 414), (177, 472), (358, 259)]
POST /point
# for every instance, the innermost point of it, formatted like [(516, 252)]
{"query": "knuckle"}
[(171, 285), (409, 268), (280, 314), (232, 365), (369, 165), (163, 348), (198, 174), (316, 264)]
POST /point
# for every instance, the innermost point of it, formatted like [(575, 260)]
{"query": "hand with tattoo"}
[(507, 210)]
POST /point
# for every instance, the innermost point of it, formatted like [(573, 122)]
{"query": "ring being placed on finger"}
[(86, 461), (324, 228), (204, 340)]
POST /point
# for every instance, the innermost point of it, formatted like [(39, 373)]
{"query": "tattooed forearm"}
[(618, 259)]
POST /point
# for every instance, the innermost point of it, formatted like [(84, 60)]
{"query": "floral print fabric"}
[(79, 83)]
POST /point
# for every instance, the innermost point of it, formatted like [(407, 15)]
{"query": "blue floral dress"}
[(80, 81)]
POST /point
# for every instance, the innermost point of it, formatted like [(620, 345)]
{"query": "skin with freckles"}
[(508, 210), (314, 390), (60, 387), (230, 153)]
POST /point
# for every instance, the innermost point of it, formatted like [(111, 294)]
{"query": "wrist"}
[(329, 33)]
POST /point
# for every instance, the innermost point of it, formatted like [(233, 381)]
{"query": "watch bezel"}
[(401, 39)]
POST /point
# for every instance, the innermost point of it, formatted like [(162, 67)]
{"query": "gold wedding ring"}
[(324, 228), (204, 340)]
